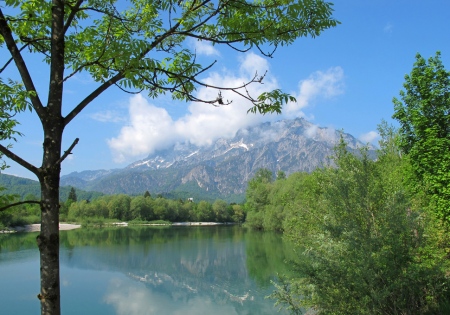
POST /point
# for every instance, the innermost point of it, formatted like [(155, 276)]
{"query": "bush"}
[(364, 247)]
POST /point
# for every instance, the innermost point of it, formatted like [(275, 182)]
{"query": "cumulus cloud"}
[(150, 128), (369, 137), (326, 84), (205, 48)]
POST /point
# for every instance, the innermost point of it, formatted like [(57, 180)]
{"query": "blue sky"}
[(344, 79)]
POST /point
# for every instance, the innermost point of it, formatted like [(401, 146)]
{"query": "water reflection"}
[(188, 270)]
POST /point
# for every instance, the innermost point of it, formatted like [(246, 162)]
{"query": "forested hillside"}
[(23, 186)]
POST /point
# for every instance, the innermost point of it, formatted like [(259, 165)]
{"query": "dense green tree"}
[(204, 212), (136, 45), (281, 175), (171, 211), (238, 214), (184, 211), (363, 246), (141, 208), (100, 207), (119, 207), (72, 194), (159, 208), (257, 197), (222, 211), (423, 114)]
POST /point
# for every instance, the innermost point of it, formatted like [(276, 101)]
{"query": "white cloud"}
[(311, 131), (369, 137), (326, 84), (151, 128), (108, 116), (204, 123), (205, 48)]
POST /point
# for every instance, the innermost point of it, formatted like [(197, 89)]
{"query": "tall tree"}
[(72, 195), (135, 45), (423, 113)]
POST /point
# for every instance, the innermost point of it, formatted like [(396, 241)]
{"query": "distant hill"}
[(222, 169), (24, 186)]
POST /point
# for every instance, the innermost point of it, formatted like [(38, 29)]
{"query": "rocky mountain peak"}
[(223, 168)]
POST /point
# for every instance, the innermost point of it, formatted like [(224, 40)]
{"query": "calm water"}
[(144, 270)]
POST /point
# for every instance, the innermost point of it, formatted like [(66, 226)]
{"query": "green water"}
[(143, 270)]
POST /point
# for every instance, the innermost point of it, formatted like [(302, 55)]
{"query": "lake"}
[(148, 270)]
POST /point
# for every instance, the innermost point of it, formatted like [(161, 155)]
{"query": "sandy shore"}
[(37, 227), (197, 223), (67, 226)]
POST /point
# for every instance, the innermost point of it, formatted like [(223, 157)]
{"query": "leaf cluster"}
[(423, 113)]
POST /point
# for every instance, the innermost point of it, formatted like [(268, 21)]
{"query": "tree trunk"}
[(48, 239)]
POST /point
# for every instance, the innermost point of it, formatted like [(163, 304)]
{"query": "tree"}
[(135, 46), (257, 197), (221, 210), (140, 208), (423, 114), (281, 175), (363, 247), (72, 195), (119, 207)]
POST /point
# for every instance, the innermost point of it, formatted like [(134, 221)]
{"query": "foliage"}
[(423, 114), (364, 245), (140, 209), (72, 195), (135, 46)]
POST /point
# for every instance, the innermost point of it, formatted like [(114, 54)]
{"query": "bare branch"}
[(69, 151), (18, 204), (11, 59), (20, 161)]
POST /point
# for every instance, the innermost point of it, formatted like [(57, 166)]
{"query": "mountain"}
[(222, 169), (24, 187)]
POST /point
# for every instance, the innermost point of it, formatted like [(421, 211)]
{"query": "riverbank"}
[(37, 228), (68, 226)]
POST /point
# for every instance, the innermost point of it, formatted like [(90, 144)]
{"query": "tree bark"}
[(48, 239), (53, 126)]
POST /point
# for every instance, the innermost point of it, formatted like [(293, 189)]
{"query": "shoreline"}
[(69, 226), (37, 228)]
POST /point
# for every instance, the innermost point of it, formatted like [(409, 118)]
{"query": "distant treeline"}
[(127, 208), (146, 208)]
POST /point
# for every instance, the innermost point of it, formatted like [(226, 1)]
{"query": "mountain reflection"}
[(177, 270)]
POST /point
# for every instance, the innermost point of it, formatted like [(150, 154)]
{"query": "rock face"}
[(223, 168)]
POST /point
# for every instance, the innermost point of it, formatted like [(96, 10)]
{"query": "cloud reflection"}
[(130, 298)]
